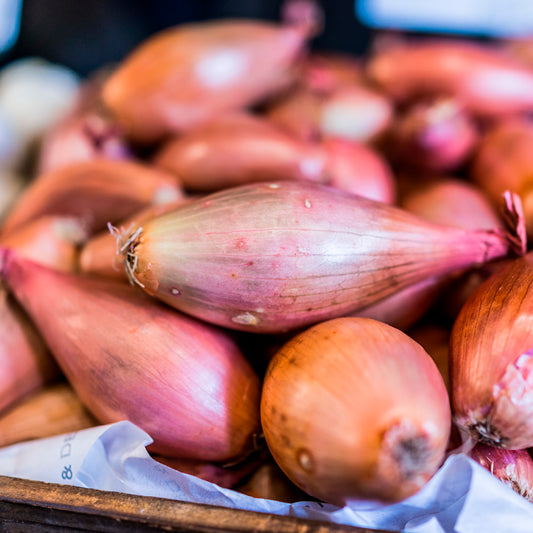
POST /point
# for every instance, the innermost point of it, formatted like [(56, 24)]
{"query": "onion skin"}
[(357, 168), (86, 133), (490, 361), (49, 240), (503, 161), (435, 135), (387, 447), (275, 256), (184, 382), (52, 410), (99, 254), (97, 191), (186, 75), (487, 81), (25, 362), (512, 467), (237, 149), (452, 202)]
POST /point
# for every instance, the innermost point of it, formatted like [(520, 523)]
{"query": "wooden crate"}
[(34, 506)]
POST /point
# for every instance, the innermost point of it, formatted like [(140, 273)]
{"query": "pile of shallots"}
[(304, 274)]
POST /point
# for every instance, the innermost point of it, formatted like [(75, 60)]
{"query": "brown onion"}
[(52, 410), (490, 359), (486, 80), (512, 467), (184, 382), (237, 149), (271, 257), (97, 191), (355, 409), (188, 74)]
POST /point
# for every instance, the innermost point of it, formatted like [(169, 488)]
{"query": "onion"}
[(269, 482), (227, 476), (325, 72), (452, 202), (486, 80), (85, 133), (186, 75), (25, 362), (237, 149), (100, 255), (512, 467), (184, 382), (359, 169), (436, 135), (355, 409), (49, 240), (52, 410), (490, 359), (503, 161), (271, 257), (96, 191)]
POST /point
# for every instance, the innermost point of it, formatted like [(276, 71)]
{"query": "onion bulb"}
[(270, 257), (512, 467), (185, 383), (491, 347), (355, 409)]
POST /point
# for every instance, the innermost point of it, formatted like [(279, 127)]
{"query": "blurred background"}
[(86, 35)]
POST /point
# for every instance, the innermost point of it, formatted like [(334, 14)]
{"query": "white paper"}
[(462, 497)]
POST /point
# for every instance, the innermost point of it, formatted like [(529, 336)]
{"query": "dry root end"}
[(482, 431), (126, 244)]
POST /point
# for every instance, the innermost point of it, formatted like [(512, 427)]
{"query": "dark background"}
[(85, 35)]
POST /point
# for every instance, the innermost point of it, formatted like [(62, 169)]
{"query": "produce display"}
[(303, 274)]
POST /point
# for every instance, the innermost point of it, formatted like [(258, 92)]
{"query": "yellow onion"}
[(355, 409), (50, 240), (52, 410), (128, 357), (97, 191), (512, 467), (491, 359), (25, 362), (274, 256)]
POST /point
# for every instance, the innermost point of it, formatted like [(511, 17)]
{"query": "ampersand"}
[(67, 472)]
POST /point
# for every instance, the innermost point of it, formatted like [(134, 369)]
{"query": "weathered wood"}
[(33, 506)]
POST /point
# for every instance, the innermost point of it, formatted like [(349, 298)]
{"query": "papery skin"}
[(186, 75), (237, 149), (128, 357), (512, 467), (491, 360), (503, 161), (486, 80), (274, 256), (97, 191), (354, 409), (26, 365)]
